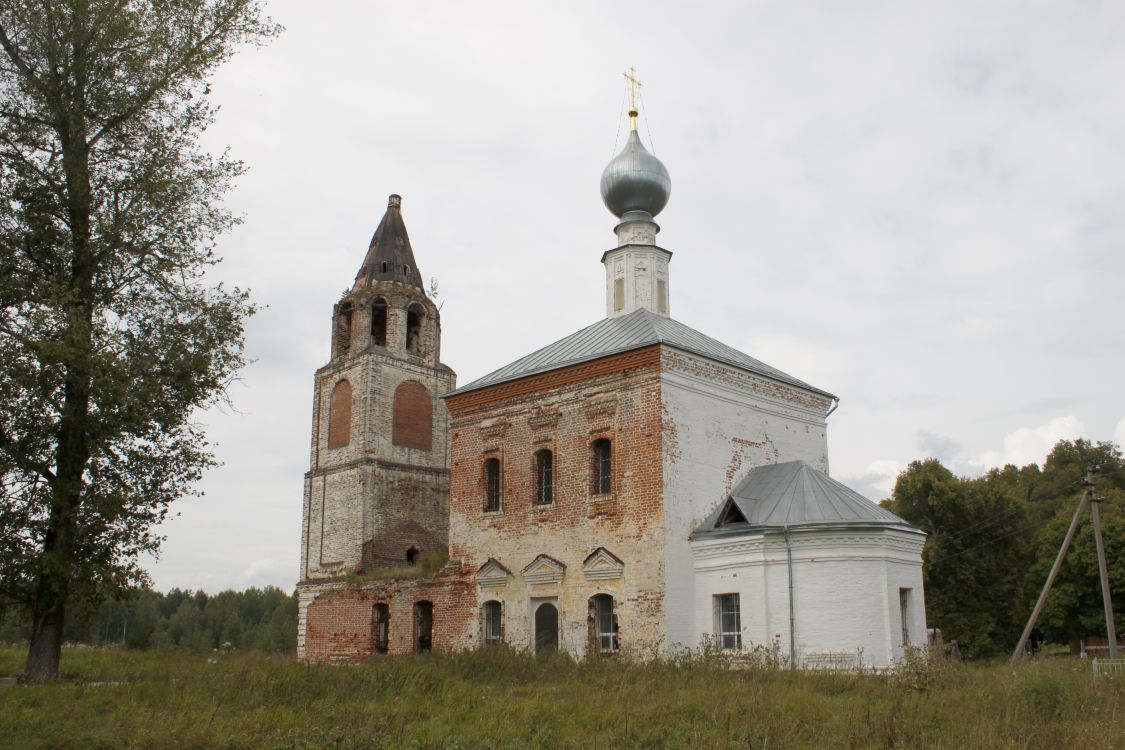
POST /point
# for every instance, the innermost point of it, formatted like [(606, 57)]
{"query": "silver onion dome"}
[(635, 181)]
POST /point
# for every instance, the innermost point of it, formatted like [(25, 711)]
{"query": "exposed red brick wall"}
[(340, 623), (616, 398), (412, 426), (340, 415), (647, 358)]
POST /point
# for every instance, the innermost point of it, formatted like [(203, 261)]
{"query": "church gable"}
[(602, 565), (493, 574), (730, 514), (544, 569)]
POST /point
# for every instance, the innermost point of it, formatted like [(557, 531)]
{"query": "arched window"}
[(603, 624), (414, 315), (412, 423), (492, 623), (423, 626), (491, 485), (601, 467), (340, 415), (343, 332), (379, 321), (381, 627), (544, 477)]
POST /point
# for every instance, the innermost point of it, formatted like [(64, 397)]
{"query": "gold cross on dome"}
[(634, 84)]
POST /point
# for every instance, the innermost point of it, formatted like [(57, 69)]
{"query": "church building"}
[(635, 487)]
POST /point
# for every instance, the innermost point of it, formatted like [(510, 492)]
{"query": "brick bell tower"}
[(377, 489)]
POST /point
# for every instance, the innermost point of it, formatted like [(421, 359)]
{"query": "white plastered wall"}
[(846, 592), (719, 423)]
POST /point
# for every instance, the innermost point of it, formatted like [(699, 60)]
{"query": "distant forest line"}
[(256, 619)]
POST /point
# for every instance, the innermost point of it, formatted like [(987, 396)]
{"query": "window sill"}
[(604, 497), (544, 512)]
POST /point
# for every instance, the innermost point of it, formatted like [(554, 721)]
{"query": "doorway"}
[(423, 626), (546, 628)]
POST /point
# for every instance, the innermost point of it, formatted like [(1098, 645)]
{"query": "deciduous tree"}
[(111, 336)]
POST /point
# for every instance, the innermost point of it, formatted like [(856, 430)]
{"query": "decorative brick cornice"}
[(647, 358)]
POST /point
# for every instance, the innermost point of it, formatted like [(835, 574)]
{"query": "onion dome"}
[(635, 181)]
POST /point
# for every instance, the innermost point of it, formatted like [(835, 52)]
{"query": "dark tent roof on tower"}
[(389, 256), (638, 329)]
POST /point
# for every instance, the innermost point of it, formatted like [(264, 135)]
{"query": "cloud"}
[(928, 239), (268, 572), (877, 482), (1032, 444), (932, 445)]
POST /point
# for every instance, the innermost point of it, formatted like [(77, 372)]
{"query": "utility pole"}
[(1088, 499), (1107, 601)]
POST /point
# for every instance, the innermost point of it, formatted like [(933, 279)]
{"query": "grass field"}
[(115, 699)]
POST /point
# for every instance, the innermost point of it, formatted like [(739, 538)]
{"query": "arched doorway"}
[(546, 628)]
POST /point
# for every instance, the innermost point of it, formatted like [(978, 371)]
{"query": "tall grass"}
[(494, 698)]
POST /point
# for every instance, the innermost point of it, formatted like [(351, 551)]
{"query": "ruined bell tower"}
[(377, 490)]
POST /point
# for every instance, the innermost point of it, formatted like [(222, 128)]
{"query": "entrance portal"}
[(546, 628)]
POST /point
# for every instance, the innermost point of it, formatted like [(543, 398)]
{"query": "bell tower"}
[(377, 489)]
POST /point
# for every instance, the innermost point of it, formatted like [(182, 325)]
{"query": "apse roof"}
[(638, 329), (794, 494)]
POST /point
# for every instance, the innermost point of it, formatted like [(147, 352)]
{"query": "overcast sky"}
[(916, 206)]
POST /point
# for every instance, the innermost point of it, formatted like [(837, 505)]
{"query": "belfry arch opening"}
[(343, 332), (379, 321), (414, 316)]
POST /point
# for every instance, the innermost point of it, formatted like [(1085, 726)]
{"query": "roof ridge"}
[(634, 330)]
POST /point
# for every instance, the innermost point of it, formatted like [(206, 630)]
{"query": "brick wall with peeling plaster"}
[(684, 431), (616, 398)]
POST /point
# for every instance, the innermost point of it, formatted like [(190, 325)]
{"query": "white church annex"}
[(636, 487)]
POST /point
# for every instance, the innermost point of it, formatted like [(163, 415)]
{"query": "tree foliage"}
[(110, 335), (992, 540), (255, 619)]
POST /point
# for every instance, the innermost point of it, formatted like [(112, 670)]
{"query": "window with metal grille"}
[(491, 485), (492, 623), (728, 622), (544, 477), (601, 453), (605, 624)]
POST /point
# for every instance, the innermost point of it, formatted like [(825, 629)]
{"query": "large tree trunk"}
[(72, 452), (46, 645)]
